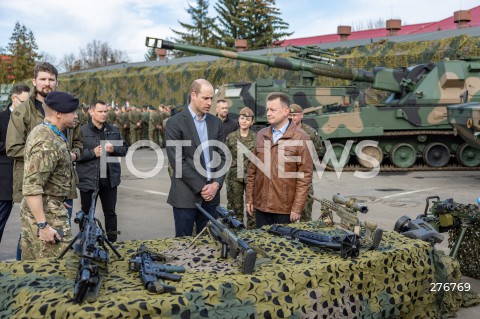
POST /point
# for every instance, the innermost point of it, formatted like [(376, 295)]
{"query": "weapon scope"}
[(339, 199)]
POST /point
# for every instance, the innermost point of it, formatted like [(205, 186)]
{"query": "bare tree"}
[(98, 53), (67, 63), (47, 57), (368, 25)]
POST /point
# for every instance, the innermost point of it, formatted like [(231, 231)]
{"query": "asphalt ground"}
[(144, 214)]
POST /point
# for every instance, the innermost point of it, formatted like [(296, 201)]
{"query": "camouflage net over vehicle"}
[(468, 254), (169, 84), (299, 282)]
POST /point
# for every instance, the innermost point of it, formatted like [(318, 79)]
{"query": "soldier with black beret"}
[(47, 180)]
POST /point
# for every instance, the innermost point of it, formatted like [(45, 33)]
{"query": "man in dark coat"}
[(228, 125), (100, 139), (19, 95), (196, 176)]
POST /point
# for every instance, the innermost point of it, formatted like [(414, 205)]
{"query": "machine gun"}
[(231, 244), (313, 54), (417, 229), (449, 215), (90, 248), (348, 245), (347, 211), (152, 271)]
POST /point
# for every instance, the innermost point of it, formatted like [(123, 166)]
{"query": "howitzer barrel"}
[(339, 199), (272, 61)]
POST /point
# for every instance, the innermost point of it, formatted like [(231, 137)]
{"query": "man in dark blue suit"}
[(198, 171), (19, 94)]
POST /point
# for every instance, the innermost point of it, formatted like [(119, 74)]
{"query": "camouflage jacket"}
[(82, 116), (111, 117), (22, 121), (231, 142), (145, 118), (155, 119), (314, 137), (122, 118), (134, 118), (48, 166)]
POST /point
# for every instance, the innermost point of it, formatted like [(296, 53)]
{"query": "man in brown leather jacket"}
[(279, 180)]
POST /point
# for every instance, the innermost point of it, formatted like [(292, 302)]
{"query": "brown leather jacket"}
[(280, 194)]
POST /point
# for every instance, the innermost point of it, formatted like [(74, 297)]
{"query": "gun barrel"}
[(272, 61), (339, 199)]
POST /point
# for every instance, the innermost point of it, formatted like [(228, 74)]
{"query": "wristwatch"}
[(42, 225)]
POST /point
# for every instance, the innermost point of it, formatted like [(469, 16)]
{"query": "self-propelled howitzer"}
[(408, 131)]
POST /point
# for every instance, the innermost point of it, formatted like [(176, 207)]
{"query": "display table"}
[(299, 282)]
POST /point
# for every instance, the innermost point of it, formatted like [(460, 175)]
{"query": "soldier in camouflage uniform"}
[(145, 121), (154, 125), (296, 114), (48, 180), (111, 115), (165, 116), (235, 183), (122, 118), (136, 121), (82, 115)]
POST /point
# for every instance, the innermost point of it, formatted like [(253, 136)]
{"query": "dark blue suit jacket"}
[(185, 191)]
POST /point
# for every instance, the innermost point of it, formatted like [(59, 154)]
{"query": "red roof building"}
[(460, 19)]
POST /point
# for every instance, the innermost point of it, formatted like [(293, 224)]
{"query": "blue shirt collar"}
[(195, 116), (282, 129)]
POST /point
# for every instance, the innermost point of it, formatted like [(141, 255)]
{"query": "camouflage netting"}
[(169, 84), (299, 282), (469, 251)]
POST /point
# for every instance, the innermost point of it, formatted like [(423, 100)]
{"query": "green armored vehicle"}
[(408, 128), (306, 93), (465, 119)]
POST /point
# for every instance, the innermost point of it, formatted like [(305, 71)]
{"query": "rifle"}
[(152, 271), (449, 215), (90, 248), (347, 211), (348, 245), (231, 244)]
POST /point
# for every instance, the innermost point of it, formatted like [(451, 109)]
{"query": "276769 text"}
[(449, 286)]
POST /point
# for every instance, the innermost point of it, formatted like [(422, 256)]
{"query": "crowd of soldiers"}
[(136, 123)]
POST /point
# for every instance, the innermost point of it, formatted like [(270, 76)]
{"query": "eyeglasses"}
[(19, 99)]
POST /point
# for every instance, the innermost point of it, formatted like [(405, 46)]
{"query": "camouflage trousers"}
[(154, 136), (125, 132), (162, 135), (135, 135), (235, 192), (145, 131), (56, 216), (307, 209)]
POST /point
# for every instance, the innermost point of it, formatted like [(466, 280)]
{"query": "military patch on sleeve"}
[(17, 113)]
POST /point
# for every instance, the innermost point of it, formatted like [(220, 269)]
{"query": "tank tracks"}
[(415, 167), (419, 167)]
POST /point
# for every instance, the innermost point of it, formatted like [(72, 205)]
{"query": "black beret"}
[(150, 107), (61, 102)]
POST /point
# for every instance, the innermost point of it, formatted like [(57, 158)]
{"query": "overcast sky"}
[(64, 26)]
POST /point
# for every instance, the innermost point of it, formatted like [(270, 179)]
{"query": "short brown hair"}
[(284, 99), (44, 67), (20, 88)]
